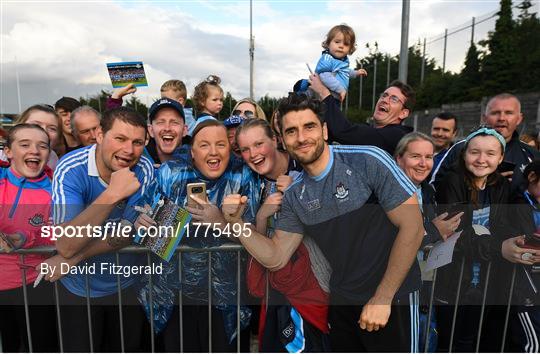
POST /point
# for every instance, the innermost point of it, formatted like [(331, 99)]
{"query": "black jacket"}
[(516, 152), (523, 209), (429, 212), (342, 131), (470, 246)]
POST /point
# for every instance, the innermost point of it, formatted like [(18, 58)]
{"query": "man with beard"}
[(96, 188), (362, 211), (167, 128), (393, 107), (503, 113)]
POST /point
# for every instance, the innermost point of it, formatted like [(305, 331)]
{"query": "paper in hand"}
[(125, 73), (441, 254)]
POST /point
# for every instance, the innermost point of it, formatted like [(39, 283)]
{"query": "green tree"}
[(268, 105), (467, 85), (528, 45), (228, 104), (500, 54)]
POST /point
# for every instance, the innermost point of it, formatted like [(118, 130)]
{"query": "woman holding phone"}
[(209, 162)]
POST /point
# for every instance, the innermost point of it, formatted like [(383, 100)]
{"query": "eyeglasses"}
[(246, 113), (392, 98)]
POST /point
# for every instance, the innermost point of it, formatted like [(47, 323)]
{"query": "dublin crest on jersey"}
[(341, 191)]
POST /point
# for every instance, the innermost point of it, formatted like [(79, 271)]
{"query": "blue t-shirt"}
[(76, 184)]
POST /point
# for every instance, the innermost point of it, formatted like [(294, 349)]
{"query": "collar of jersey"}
[(327, 168), (92, 166)]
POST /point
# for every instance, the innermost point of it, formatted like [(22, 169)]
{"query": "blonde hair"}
[(175, 85), (348, 34), (200, 94), (259, 113)]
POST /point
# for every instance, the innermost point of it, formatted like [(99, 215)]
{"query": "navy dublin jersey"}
[(344, 211)]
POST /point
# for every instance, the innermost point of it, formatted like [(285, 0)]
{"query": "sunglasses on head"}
[(247, 113)]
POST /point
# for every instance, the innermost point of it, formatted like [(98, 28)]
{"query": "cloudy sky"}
[(61, 47)]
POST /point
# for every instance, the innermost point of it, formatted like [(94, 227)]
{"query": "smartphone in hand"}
[(197, 189)]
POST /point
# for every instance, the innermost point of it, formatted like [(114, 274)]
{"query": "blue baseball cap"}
[(233, 121), (165, 102)]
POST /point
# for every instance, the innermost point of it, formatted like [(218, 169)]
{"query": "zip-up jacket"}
[(26, 207)]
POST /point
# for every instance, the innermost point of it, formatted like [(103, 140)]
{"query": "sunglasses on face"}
[(247, 113)]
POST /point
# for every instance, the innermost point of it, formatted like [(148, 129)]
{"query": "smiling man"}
[(98, 185), (167, 128), (362, 212), (393, 107), (503, 113), (443, 132)]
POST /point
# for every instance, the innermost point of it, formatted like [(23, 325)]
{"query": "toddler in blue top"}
[(333, 66)]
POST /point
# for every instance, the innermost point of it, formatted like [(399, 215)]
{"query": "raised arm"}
[(272, 253), (123, 184), (407, 218)]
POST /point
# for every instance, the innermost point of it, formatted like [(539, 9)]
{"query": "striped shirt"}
[(76, 185)]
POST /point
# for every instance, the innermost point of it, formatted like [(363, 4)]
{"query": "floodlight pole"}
[(404, 52), (251, 50)]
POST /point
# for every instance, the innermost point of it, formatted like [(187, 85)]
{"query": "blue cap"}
[(165, 102), (233, 121)]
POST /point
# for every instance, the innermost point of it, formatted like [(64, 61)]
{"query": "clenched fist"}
[(123, 184), (233, 207)]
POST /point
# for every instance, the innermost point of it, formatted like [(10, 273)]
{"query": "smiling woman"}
[(209, 163), (210, 148)]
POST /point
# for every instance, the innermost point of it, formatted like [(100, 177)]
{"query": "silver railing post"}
[(456, 305), (120, 314)]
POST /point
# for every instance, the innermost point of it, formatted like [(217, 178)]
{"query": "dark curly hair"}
[(299, 102)]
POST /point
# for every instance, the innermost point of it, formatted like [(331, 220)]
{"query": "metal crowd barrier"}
[(239, 249), (134, 249), (426, 331)]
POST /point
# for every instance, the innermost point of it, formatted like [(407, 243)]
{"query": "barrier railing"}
[(239, 249), (134, 249)]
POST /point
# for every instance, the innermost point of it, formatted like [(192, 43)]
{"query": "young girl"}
[(475, 188), (208, 97), (333, 66), (25, 195), (47, 118)]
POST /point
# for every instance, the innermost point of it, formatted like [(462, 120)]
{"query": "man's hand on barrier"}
[(55, 267), (123, 184), (233, 207), (206, 212), (375, 314)]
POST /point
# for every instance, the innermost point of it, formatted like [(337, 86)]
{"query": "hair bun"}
[(213, 79)]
